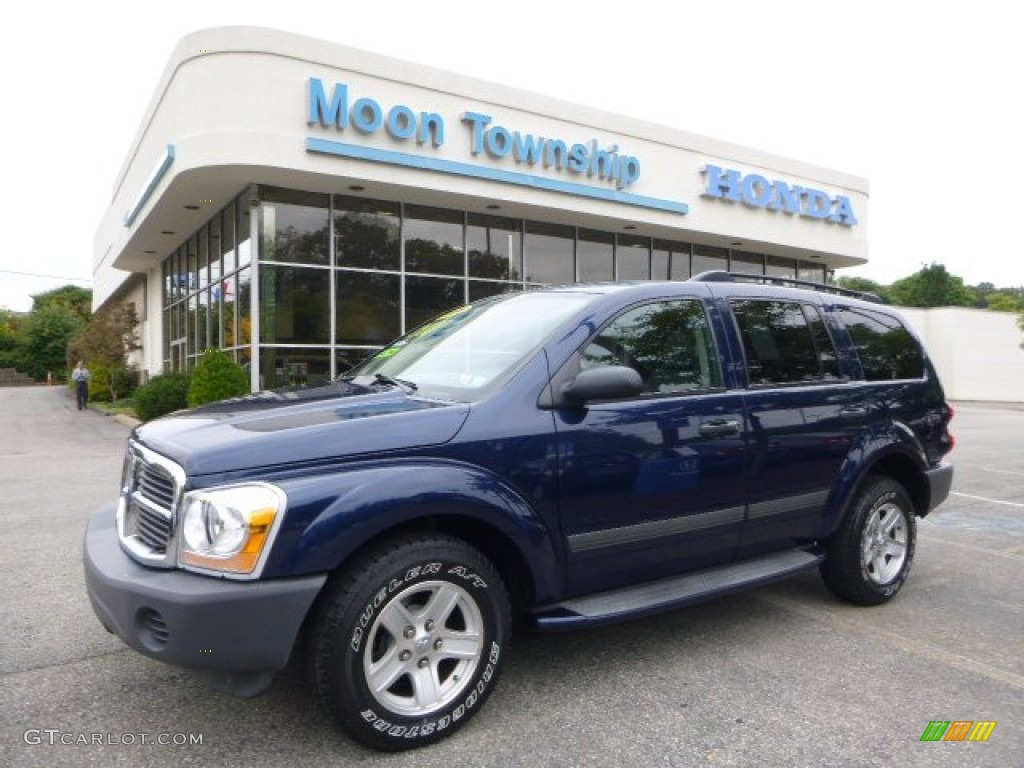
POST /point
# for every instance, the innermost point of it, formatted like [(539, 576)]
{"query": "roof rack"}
[(721, 276)]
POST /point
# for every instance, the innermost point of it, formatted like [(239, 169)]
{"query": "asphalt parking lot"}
[(781, 676)]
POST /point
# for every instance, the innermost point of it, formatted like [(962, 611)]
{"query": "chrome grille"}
[(156, 484), (150, 493)]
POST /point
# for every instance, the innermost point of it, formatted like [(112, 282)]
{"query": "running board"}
[(661, 595)]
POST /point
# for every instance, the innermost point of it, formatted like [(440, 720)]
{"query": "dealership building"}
[(299, 203)]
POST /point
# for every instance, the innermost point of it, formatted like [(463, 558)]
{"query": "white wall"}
[(977, 353)]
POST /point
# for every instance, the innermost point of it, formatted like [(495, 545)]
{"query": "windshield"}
[(460, 353)]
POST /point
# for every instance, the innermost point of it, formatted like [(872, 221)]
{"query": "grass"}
[(123, 406)]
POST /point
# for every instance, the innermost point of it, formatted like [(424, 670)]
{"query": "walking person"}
[(81, 378)]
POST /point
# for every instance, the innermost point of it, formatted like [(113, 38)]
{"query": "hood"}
[(292, 427)]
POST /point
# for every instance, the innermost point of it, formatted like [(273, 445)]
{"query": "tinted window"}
[(887, 350), (669, 343), (784, 342)]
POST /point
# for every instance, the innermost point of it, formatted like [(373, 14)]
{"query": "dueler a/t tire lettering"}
[(868, 559), (408, 642)]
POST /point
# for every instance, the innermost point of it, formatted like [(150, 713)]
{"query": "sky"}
[(920, 98)]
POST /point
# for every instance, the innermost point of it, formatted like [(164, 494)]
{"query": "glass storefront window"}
[(243, 308), (191, 262), (366, 233), (433, 241), (748, 263), (426, 297), (244, 237), (495, 247), (203, 244), (670, 260), (450, 257), (191, 319), (779, 267), (815, 273), (293, 227), (481, 289), (550, 253), (368, 307), (295, 305), (227, 239), (203, 322), (350, 357), (289, 367), (215, 264), (708, 257), (633, 258), (595, 256)]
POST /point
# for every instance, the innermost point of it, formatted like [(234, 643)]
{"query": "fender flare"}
[(331, 515), (882, 442)]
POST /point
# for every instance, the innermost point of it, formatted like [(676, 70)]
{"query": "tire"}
[(868, 559), (408, 643)]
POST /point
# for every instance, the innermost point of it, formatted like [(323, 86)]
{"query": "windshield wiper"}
[(367, 380), (406, 386)]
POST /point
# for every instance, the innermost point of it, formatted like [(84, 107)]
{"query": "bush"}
[(111, 383), (163, 394), (217, 377)]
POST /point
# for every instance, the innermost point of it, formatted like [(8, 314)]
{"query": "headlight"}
[(227, 529)]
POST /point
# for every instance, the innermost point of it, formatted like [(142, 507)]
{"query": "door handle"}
[(719, 428)]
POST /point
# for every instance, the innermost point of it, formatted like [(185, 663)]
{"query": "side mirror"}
[(607, 382)]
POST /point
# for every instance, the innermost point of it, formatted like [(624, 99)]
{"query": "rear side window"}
[(887, 350), (784, 342), (668, 343)]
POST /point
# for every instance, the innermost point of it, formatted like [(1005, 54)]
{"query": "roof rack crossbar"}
[(721, 276)]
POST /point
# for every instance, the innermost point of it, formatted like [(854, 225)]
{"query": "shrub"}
[(163, 394), (109, 383), (217, 377)]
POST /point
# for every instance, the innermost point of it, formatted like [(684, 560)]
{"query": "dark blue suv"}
[(567, 456)]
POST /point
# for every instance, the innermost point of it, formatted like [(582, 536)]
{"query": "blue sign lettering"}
[(499, 142), (367, 116), (401, 123), (757, 191)]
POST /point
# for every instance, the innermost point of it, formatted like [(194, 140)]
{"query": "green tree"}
[(47, 332), (72, 297), (105, 343), (217, 377), (1002, 301), (864, 285), (12, 339), (932, 286)]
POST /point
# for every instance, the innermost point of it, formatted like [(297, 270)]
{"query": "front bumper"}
[(239, 633)]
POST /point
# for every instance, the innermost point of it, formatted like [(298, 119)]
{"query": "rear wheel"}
[(868, 559), (408, 643)]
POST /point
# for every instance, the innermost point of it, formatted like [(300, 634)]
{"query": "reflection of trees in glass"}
[(426, 297), (777, 341), (368, 308), (666, 343), (492, 266), (299, 247), (433, 257), (294, 305), (367, 241), (886, 349)]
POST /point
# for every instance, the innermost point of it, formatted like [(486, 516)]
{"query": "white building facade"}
[(301, 203)]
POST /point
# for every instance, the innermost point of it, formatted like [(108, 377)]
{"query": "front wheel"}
[(408, 643), (868, 559)]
